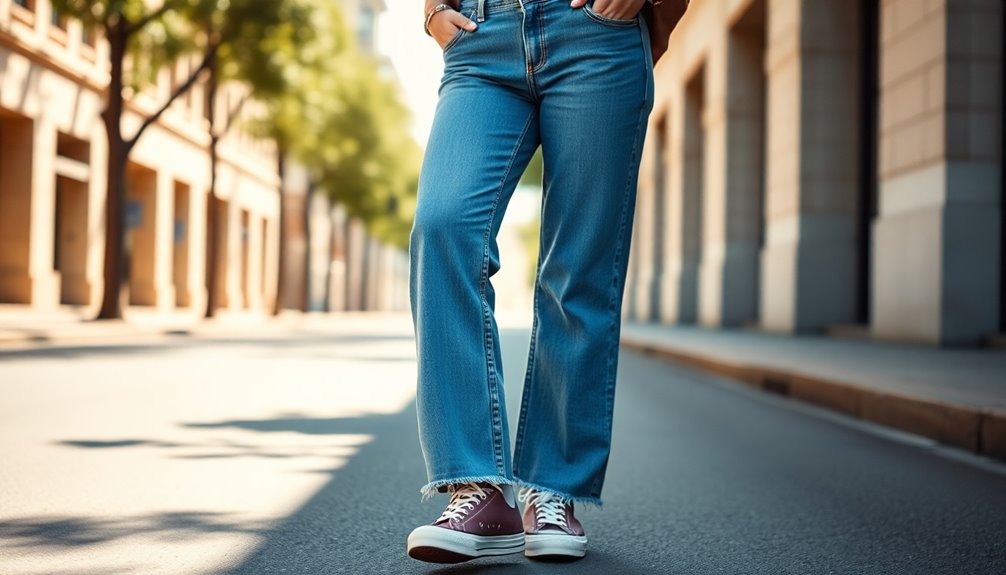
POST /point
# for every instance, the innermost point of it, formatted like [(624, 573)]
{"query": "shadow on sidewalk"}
[(359, 521), (180, 342)]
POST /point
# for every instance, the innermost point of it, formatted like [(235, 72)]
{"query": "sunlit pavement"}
[(179, 455), (294, 450)]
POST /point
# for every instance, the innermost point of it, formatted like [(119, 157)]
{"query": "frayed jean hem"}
[(583, 501), (434, 487)]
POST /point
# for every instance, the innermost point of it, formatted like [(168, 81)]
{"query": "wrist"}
[(430, 4), (431, 12)]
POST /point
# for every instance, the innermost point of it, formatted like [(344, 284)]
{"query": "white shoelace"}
[(549, 509), (463, 500)]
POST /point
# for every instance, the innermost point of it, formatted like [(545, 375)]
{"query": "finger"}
[(461, 21), (578, 3)]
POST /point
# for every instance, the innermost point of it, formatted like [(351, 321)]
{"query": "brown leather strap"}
[(662, 18)]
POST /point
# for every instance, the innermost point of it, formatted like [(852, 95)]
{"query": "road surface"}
[(295, 451)]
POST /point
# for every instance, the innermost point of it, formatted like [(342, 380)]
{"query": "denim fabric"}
[(534, 73)]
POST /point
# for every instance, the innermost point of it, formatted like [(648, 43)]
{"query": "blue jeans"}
[(534, 73)]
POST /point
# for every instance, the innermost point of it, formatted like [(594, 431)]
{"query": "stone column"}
[(256, 247), (714, 179), (371, 282), (230, 251), (164, 245), (402, 293), (683, 208), (271, 246), (808, 273), (97, 189), (337, 276), (355, 253), (646, 278), (734, 176), (629, 297), (198, 240), (16, 150), (45, 292), (936, 262)]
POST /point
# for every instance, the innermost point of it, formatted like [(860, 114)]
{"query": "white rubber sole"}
[(439, 545), (555, 545)]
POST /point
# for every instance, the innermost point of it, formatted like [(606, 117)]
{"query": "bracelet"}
[(429, 15)]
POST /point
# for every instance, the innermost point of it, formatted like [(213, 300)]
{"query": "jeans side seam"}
[(493, 381), (615, 265)]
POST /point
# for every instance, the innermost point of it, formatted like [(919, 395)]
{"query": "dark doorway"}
[(869, 138)]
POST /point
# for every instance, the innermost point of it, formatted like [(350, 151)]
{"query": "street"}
[(295, 451)]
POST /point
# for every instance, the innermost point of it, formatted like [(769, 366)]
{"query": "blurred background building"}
[(332, 263), (822, 166), (53, 161)]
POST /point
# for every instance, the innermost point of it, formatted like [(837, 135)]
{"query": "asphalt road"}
[(705, 477)]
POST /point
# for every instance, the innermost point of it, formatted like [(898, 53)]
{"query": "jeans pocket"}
[(461, 33), (615, 22)]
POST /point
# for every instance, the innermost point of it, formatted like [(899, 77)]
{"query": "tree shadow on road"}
[(52, 532), (177, 342), (356, 523), (359, 521)]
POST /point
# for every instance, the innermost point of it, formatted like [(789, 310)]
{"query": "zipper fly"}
[(528, 56)]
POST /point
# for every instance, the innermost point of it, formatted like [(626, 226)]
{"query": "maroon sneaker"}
[(551, 530), (481, 519)]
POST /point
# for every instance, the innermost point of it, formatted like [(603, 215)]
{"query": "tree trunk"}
[(115, 293), (326, 306), (212, 210), (281, 263), (308, 196)]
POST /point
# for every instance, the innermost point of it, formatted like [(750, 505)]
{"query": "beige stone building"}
[(52, 182), (827, 166), (331, 262)]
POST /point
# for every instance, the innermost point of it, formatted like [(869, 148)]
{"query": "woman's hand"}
[(615, 9), (446, 23)]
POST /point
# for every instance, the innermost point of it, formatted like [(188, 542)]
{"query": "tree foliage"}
[(238, 38), (345, 121), (330, 107)]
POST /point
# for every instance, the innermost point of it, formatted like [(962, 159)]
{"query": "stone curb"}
[(981, 431)]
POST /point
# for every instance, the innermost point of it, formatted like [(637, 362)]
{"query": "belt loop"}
[(482, 11)]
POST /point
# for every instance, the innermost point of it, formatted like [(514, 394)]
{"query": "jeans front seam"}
[(541, 42), (528, 374), (528, 75), (493, 381)]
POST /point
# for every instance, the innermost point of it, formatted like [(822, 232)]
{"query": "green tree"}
[(345, 122), (244, 39), (365, 158)]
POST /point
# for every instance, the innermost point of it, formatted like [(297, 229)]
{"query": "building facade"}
[(53, 155), (818, 166), (330, 261), (53, 165)]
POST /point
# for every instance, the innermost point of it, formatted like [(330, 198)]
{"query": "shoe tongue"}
[(551, 527)]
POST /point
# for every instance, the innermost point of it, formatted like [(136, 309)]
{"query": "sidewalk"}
[(21, 327), (955, 396)]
